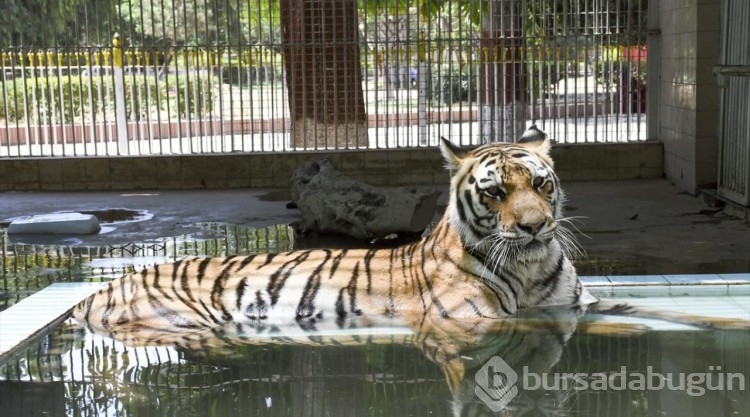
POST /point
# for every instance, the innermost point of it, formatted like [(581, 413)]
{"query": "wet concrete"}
[(653, 227), (161, 213), (625, 227)]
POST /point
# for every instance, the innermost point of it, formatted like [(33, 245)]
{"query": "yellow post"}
[(421, 47), (258, 60), (116, 51)]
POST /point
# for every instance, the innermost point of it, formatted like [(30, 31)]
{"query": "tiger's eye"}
[(494, 191), (537, 182)]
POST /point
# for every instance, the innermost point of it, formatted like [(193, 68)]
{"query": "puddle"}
[(119, 215)]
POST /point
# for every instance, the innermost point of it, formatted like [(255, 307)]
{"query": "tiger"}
[(500, 250), (499, 247)]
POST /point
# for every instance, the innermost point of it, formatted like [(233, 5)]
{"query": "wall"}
[(392, 167), (689, 95)]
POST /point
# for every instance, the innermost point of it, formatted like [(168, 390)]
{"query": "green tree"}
[(175, 21), (502, 83), (505, 27), (262, 20), (324, 74), (50, 23), (169, 23)]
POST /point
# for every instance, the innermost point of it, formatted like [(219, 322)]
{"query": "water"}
[(34, 262), (349, 372), (384, 372)]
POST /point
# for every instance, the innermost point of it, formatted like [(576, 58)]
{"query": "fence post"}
[(422, 88), (653, 72), (120, 114)]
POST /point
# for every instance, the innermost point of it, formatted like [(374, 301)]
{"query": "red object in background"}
[(633, 88)]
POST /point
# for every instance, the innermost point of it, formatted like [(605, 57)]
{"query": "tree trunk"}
[(502, 78), (324, 74)]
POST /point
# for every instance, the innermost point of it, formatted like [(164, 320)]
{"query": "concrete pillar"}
[(688, 92)]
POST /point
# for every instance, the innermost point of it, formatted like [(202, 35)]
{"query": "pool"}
[(562, 368), (29, 265), (545, 362)]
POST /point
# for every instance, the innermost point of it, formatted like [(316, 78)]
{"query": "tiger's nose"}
[(531, 228)]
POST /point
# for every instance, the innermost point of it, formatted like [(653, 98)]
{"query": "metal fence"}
[(734, 80), (192, 76)]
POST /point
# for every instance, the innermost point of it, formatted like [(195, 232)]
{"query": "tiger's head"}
[(505, 199)]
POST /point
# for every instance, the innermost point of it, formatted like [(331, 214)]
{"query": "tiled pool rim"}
[(42, 311), (668, 285)]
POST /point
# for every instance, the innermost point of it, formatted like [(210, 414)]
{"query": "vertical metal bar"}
[(119, 91), (422, 89), (654, 69)]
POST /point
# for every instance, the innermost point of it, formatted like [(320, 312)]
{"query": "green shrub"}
[(449, 86), (39, 99), (11, 103), (62, 99), (189, 96)]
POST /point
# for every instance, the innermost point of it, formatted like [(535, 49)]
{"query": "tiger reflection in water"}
[(500, 248), (534, 338)]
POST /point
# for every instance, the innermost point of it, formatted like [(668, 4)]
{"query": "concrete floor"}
[(626, 227)]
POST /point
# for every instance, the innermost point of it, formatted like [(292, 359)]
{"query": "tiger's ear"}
[(536, 140), (452, 154)]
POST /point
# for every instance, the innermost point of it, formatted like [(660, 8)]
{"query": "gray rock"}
[(56, 223), (332, 203)]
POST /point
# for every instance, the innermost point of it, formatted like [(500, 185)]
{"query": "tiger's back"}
[(301, 287)]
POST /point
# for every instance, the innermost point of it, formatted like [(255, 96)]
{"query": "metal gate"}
[(734, 78)]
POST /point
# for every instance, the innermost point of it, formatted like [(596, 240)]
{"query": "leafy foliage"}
[(178, 21), (50, 100), (263, 19), (451, 85), (47, 23)]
